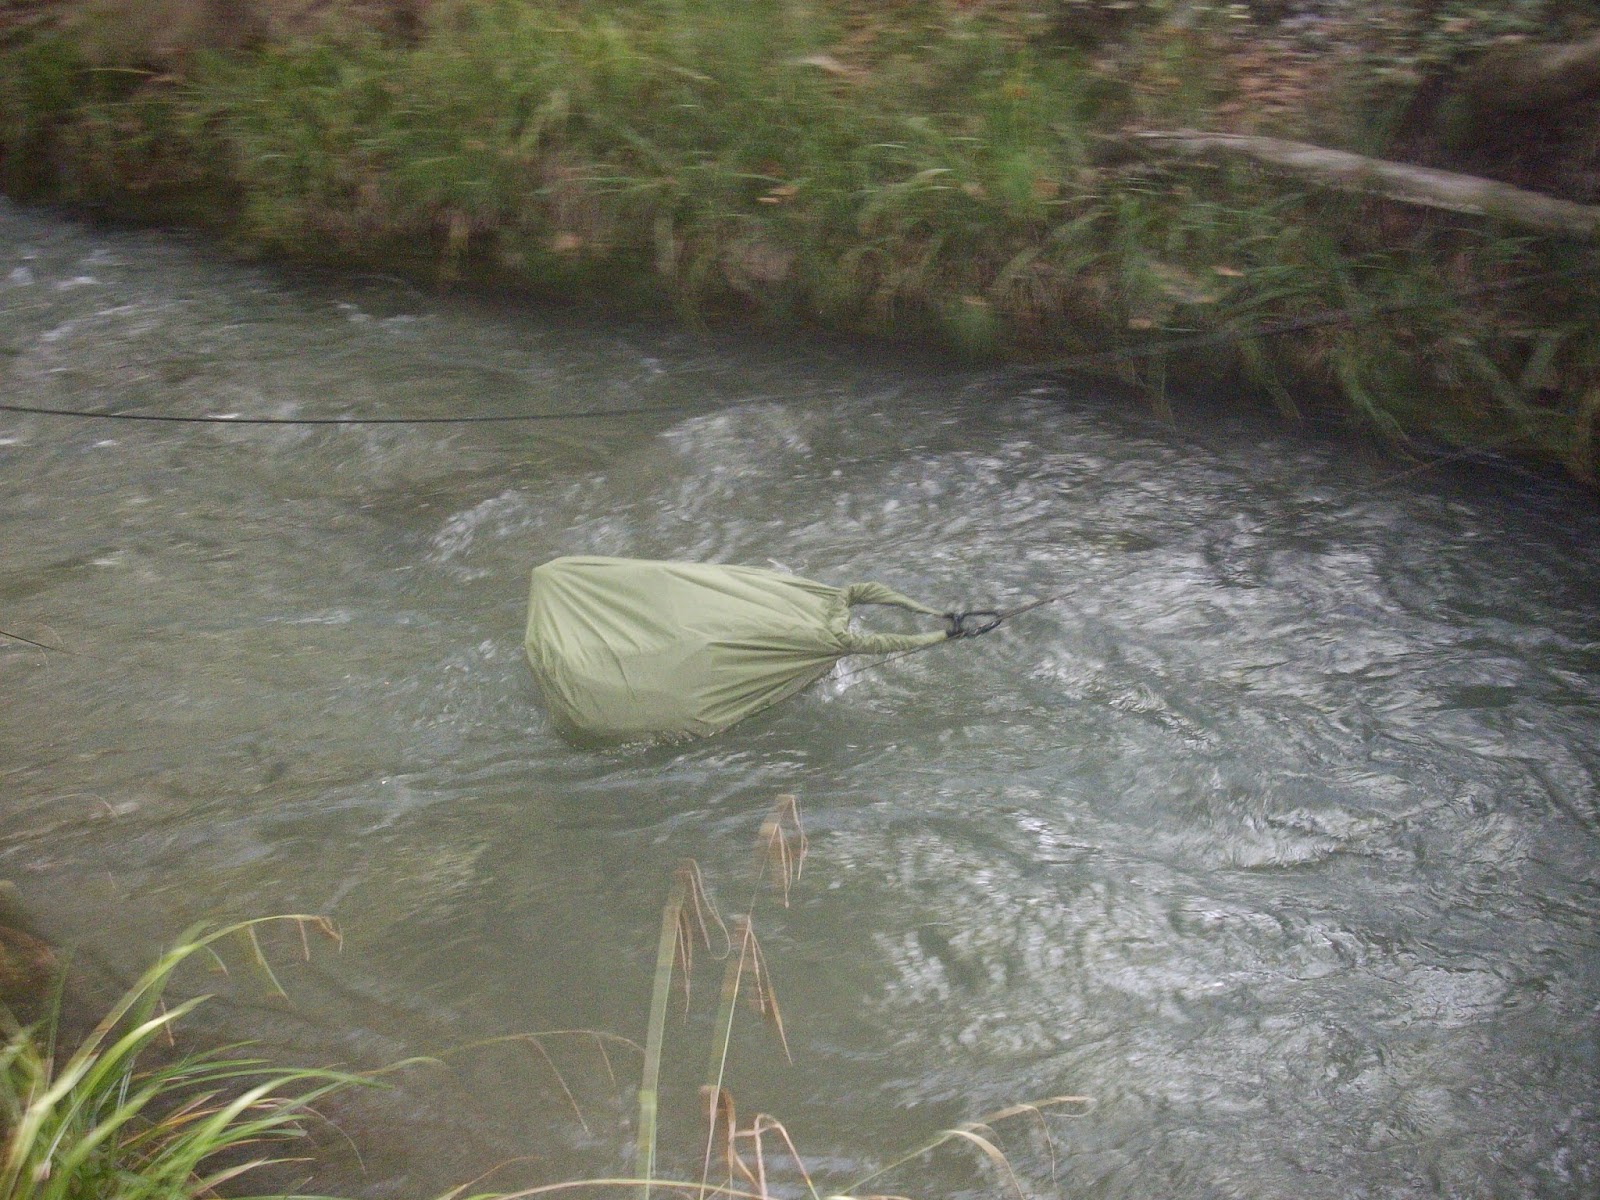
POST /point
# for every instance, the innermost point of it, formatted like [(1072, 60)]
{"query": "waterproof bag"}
[(628, 649)]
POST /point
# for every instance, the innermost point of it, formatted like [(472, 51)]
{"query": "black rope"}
[(970, 624), (1098, 358), (17, 637), (596, 413), (977, 622)]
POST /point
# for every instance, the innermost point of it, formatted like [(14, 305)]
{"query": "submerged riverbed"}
[(1277, 837)]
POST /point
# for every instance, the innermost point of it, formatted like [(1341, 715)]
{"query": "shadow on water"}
[(1276, 836)]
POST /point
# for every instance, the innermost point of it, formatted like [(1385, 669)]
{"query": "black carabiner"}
[(971, 624)]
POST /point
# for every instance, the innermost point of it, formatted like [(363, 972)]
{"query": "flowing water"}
[(1277, 836)]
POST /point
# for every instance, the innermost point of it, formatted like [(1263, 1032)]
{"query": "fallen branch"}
[(1424, 186)]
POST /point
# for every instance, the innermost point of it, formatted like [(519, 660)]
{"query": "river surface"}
[(1277, 836)]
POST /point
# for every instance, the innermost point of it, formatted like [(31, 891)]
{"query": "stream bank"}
[(952, 176)]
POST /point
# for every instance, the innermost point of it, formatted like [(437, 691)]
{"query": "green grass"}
[(938, 175), (119, 1118)]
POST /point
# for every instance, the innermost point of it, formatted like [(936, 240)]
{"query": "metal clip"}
[(971, 624)]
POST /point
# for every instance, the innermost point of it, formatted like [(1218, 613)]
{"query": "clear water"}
[(1277, 836)]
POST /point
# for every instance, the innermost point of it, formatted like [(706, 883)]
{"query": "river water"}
[(1277, 836)]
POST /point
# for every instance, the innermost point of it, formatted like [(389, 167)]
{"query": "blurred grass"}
[(934, 172)]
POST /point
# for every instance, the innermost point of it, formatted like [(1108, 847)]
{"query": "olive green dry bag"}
[(626, 649)]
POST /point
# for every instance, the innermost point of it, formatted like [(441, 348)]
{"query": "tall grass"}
[(118, 1117)]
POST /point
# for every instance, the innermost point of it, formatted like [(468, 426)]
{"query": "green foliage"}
[(116, 1119)]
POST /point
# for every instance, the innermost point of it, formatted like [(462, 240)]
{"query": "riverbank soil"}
[(978, 176)]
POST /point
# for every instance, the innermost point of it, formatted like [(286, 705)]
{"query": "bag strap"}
[(876, 593), (859, 642)]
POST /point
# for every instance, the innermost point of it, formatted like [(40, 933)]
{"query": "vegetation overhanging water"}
[(963, 176)]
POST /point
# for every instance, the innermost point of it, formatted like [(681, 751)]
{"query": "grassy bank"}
[(940, 172)]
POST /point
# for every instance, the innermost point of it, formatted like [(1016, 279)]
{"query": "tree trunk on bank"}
[(1425, 186)]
